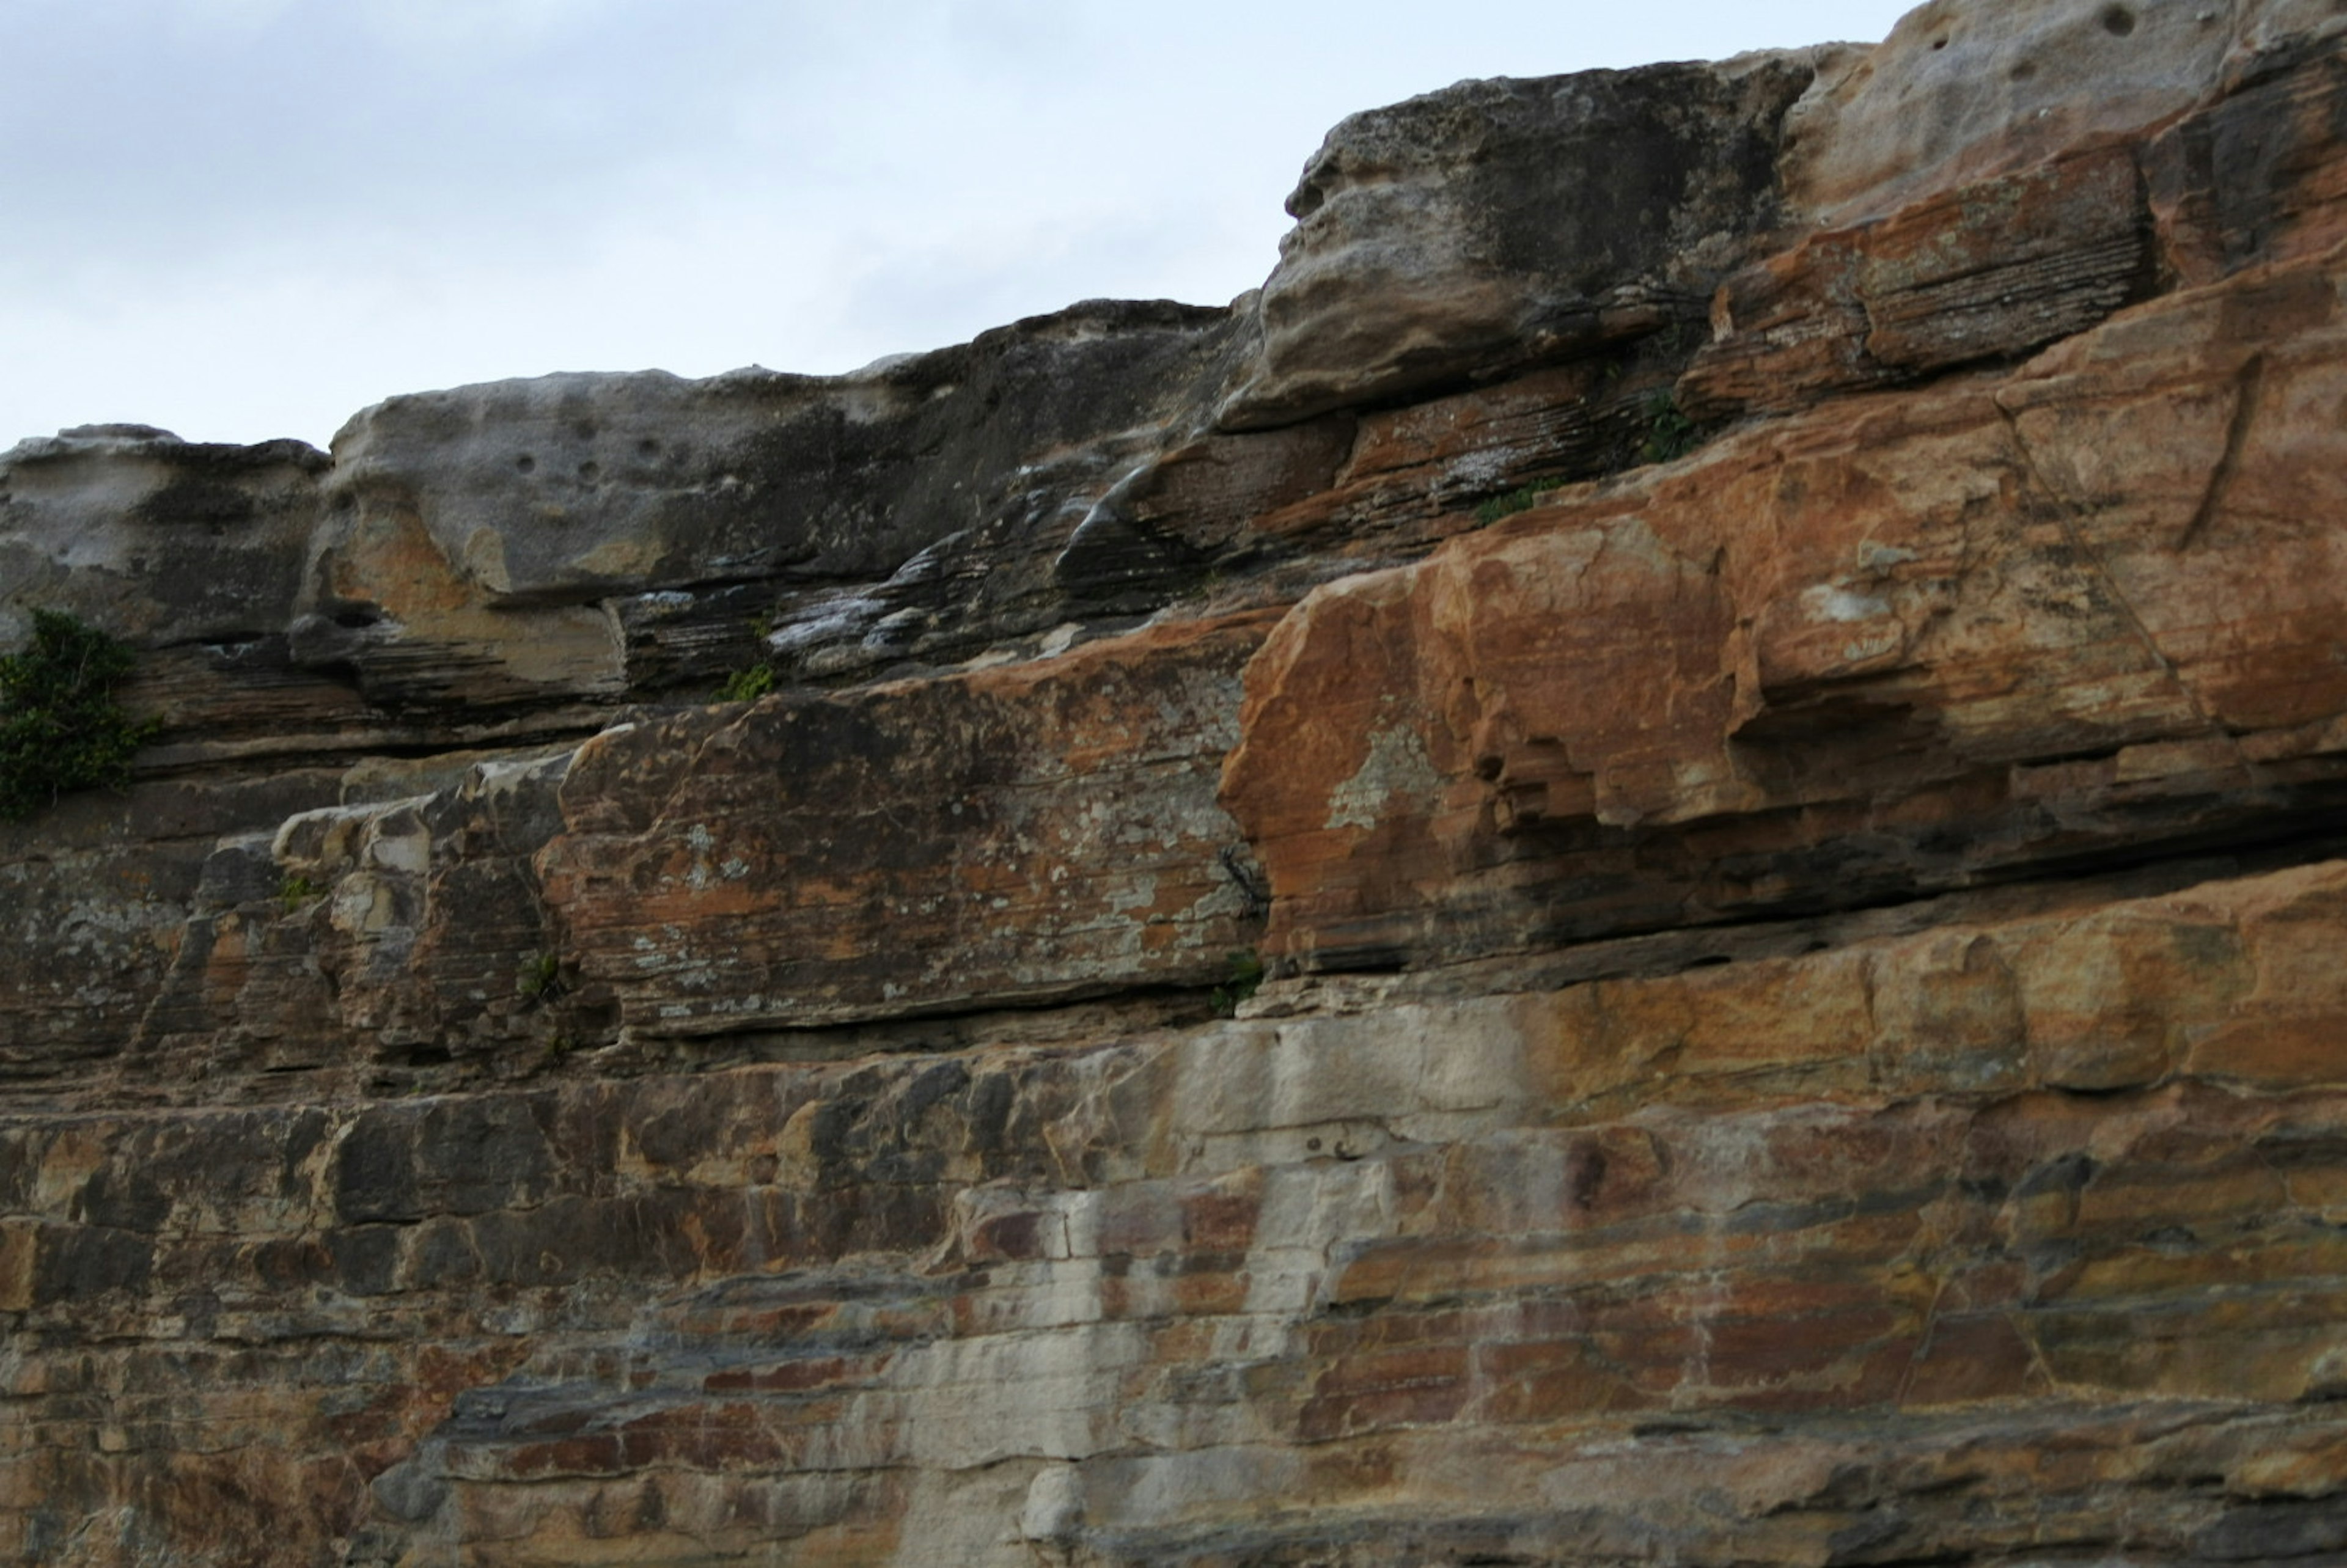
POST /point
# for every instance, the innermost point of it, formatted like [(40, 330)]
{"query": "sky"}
[(247, 219)]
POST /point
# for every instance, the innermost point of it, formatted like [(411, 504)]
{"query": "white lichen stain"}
[(1136, 893), (1397, 765), (701, 842), (404, 852), (1828, 601), (1874, 647), (1480, 470)]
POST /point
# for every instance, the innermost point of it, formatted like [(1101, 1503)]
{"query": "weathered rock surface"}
[(1025, 833), (2002, 1233), (468, 522), (1801, 864), (168, 541), (1963, 90), (1500, 223), (2078, 610)]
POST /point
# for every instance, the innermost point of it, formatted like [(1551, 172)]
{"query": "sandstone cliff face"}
[(1754, 650)]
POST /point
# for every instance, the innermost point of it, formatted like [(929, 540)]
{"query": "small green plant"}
[(1517, 501), (1670, 435), (296, 891), (747, 685), (1245, 979), (539, 977), (60, 728)]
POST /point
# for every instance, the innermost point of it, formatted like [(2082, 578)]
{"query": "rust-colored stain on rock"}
[(1651, 867)]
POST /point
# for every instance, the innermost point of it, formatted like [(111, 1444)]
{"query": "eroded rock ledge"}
[(1753, 648)]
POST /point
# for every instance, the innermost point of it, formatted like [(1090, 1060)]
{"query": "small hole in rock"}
[(2024, 71), (590, 472), (1939, 43), (2117, 21), (647, 448), (525, 463)]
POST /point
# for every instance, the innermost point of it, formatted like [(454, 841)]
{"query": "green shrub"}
[(60, 727), (1517, 501), (539, 977), (1670, 434), (1246, 980), (296, 891), (747, 685)]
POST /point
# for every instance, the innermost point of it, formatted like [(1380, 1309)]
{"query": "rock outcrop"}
[(1651, 865)]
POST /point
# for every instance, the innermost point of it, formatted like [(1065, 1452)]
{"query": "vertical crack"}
[(1923, 1344), (2248, 390), (2068, 512)]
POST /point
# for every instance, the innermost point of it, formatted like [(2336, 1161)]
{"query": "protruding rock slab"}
[(157, 540), (1992, 267), (1986, 271), (572, 488), (1017, 834), (477, 533), (1495, 224), (1977, 631)]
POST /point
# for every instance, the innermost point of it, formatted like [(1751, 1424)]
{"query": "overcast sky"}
[(242, 218)]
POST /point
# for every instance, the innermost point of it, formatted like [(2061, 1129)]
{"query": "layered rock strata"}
[(1747, 655)]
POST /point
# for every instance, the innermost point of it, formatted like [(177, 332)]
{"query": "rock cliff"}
[(1650, 865)]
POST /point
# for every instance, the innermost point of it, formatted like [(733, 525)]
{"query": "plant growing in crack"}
[(754, 681), (1244, 979), (747, 685), (295, 891), (538, 979), (1670, 434), (1520, 499), (61, 729)]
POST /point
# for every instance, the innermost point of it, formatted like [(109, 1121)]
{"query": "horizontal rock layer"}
[(2076, 609), (1820, 1256), (1647, 866)]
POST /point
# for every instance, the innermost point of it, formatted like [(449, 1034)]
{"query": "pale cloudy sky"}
[(242, 218)]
